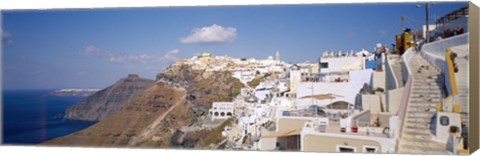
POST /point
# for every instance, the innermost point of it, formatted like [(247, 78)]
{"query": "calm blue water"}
[(28, 117)]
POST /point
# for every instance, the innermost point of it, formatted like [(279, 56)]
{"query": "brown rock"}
[(109, 100)]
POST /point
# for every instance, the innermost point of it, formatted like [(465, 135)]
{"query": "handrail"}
[(390, 68), (406, 58), (404, 104), (451, 72), (453, 83)]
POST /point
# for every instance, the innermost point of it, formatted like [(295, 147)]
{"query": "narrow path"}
[(149, 131)]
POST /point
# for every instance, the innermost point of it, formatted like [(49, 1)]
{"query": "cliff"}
[(103, 103), (181, 97)]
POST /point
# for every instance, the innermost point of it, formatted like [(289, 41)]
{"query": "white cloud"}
[(91, 50), (211, 34), (9, 67), (24, 57), (143, 58), (36, 72), (81, 73), (170, 55), (350, 34), (382, 32), (6, 37)]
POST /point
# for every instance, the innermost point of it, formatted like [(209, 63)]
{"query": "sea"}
[(29, 116)]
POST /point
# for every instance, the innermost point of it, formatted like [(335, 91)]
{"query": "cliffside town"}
[(156, 115)]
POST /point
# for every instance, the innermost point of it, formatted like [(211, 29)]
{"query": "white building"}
[(243, 74), (332, 68), (344, 91), (222, 110), (295, 78)]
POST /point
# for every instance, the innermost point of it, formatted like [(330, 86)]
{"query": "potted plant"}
[(355, 129), (453, 129)]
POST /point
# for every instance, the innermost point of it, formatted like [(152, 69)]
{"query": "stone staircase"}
[(426, 92), (461, 78)]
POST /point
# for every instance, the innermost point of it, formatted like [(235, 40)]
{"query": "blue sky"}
[(92, 48)]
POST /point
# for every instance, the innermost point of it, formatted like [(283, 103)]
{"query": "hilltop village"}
[(412, 98), (388, 101), (280, 101)]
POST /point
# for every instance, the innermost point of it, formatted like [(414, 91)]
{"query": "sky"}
[(93, 48)]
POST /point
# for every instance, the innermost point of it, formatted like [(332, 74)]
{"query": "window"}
[(444, 121), (369, 149), (323, 64), (346, 149)]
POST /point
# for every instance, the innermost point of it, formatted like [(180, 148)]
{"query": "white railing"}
[(439, 48), (402, 111), (390, 74), (406, 58), (434, 53)]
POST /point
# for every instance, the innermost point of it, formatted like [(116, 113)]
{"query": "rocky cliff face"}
[(150, 119), (103, 103)]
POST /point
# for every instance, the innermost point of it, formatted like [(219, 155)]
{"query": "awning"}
[(282, 133)]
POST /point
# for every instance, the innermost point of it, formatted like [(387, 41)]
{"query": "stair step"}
[(424, 95), (414, 117), (429, 92), (430, 110), (425, 149), (418, 115), (417, 126), (416, 132), (429, 78), (421, 106), (420, 136), (423, 101), (421, 120), (419, 142)]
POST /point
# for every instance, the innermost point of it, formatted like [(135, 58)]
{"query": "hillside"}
[(103, 103), (181, 97)]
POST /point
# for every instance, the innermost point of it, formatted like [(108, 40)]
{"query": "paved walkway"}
[(150, 130)]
